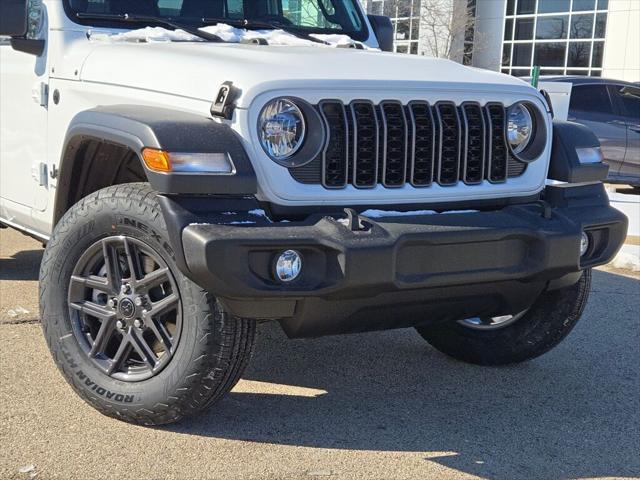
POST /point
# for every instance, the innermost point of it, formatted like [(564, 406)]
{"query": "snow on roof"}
[(228, 34)]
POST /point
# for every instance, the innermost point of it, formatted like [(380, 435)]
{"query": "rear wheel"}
[(131, 334), (513, 338)]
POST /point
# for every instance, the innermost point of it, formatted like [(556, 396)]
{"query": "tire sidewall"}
[(549, 320), (76, 232)]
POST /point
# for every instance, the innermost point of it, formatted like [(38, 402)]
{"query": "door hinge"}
[(39, 172), (40, 94)]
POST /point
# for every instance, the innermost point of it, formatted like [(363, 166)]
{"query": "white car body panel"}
[(187, 75), (560, 94)]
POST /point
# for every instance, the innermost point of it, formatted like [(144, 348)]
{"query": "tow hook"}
[(546, 209), (354, 222)]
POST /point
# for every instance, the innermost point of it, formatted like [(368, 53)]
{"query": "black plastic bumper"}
[(401, 271)]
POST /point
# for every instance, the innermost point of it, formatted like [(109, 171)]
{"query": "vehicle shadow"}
[(571, 413), (23, 265)]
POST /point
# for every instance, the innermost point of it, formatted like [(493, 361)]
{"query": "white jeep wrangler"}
[(197, 166)]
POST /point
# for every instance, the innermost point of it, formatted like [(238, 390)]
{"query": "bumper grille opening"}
[(392, 145)]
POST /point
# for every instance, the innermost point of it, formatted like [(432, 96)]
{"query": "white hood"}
[(197, 69)]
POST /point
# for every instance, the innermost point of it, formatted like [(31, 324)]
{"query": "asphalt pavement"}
[(377, 405)]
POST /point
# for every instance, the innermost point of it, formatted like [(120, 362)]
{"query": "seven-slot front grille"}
[(392, 144)]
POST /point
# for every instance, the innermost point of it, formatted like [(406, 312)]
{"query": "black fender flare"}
[(138, 127), (565, 166)]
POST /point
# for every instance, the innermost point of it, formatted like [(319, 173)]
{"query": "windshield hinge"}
[(254, 41), (355, 45), (224, 105)]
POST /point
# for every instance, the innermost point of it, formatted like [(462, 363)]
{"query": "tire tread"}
[(226, 342)]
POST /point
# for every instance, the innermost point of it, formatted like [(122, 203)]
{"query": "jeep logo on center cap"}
[(127, 308)]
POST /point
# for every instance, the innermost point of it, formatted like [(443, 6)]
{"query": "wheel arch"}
[(103, 147)]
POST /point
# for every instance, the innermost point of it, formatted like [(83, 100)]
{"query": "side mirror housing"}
[(13, 18), (14, 23), (383, 30)]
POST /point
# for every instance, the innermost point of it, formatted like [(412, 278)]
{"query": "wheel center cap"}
[(127, 308)]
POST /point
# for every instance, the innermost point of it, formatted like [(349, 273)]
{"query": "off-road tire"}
[(213, 349), (541, 328)]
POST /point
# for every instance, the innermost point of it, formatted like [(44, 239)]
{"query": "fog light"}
[(584, 243), (288, 266)]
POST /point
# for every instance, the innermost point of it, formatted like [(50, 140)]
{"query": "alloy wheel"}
[(491, 323), (125, 308)]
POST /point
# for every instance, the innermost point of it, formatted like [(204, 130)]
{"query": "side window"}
[(630, 100), (590, 98)]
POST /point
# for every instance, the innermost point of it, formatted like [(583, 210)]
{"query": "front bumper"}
[(402, 271)]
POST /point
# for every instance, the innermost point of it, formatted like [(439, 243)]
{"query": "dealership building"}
[(562, 37)]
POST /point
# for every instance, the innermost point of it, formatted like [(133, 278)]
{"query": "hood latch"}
[(224, 104)]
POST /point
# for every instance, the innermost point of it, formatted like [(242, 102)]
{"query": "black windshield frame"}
[(361, 35)]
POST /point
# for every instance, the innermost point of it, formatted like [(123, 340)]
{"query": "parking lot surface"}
[(378, 405)]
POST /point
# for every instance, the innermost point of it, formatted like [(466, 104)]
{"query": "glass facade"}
[(440, 22), (562, 37), (405, 16)]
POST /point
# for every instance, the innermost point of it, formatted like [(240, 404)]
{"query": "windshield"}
[(308, 16)]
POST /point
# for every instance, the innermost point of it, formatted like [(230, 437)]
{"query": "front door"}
[(23, 133)]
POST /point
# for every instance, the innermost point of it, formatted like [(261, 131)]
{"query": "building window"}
[(409, 16), (553, 6), (524, 29), (552, 28), (525, 7), (469, 32), (562, 37), (405, 17)]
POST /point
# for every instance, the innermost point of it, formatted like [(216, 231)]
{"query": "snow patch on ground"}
[(629, 204), (228, 34), (628, 258), (258, 212)]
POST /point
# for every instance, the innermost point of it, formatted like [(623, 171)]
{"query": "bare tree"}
[(448, 28)]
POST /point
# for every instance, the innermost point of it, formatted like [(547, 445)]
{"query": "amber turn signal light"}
[(189, 163), (156, 160)]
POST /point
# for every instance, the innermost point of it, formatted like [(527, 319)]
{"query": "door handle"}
[(635, 128)]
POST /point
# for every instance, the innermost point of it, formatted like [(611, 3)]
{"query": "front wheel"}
[(513, 338), (131, 334)]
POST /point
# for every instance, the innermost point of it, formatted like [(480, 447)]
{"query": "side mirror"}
[(14, 23), (383, 30), (13, 18)]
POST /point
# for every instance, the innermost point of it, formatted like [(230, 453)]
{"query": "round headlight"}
[(519, 127), (281, 128)]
